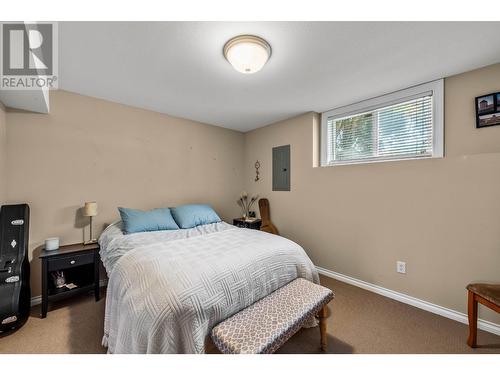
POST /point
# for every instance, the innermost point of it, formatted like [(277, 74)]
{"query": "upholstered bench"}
[(486, 294), (267, 324)]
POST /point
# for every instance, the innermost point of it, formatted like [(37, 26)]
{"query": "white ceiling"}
[(178, 67)]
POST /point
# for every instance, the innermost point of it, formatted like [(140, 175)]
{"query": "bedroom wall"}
[(92, 149), (441, 216), (3, 155)]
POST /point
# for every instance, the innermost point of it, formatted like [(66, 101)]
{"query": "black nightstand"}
[(80, 265), (240, 222)]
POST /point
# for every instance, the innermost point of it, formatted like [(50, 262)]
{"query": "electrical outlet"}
[(401, 266)]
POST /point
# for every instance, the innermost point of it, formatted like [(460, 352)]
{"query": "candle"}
[(52, 243)]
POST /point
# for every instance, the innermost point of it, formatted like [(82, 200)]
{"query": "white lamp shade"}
[(247, 53), (90, 209)]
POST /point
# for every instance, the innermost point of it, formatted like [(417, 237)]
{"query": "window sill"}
[(372, 161)]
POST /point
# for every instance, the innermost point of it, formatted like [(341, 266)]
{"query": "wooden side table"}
[(241, 223), (80, 265)]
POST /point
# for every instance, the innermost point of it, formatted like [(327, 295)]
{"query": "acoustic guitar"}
[(266, 225)]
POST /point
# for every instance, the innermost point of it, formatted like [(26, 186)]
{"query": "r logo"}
[(27, 49)]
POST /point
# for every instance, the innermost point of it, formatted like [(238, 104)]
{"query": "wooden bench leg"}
[(472, 312), (322, 328)]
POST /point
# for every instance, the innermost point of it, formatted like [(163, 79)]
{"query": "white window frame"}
[(436, 88)]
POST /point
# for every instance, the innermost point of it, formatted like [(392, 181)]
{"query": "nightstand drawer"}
[(70, 261)]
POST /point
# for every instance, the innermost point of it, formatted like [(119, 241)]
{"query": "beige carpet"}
[(360, 322)]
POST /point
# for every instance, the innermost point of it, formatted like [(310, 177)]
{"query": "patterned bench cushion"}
[(267, 324)]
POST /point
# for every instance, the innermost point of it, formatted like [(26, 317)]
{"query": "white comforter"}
[(167, 289)]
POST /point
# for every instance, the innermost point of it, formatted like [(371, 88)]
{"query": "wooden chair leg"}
[(472, 312), (322, 328)]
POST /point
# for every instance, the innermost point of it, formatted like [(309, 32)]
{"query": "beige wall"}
[(441, 216), (3, 155), (91, 149)]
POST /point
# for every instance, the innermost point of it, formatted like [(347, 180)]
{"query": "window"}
[(407, 124)]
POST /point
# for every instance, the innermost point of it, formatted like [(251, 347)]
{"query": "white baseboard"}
[(401, 297), (421, 304), (36, 300)]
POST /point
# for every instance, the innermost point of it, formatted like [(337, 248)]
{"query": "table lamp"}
[(90, 210)]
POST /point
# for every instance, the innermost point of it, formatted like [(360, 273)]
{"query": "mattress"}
[(168, 289), (114, 244)]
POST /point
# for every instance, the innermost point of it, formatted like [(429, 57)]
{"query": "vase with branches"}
[(246, 203)]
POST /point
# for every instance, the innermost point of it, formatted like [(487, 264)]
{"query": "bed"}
[(167, 289)]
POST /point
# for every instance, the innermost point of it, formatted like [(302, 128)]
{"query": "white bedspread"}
[(168, 289)]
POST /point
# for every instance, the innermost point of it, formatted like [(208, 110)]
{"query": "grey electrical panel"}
[(281, 168)]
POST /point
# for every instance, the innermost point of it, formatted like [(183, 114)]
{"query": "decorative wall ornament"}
[(257, 166)]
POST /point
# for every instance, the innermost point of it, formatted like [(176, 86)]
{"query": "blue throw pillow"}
[(146, 221), (192, 215)]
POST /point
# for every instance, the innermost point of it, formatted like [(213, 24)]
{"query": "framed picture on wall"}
[(488, 110)]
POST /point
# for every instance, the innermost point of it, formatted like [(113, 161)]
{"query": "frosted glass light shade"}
[(247, 53), (90, 209)]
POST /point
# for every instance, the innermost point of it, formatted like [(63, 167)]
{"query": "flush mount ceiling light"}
[(247, 53)]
